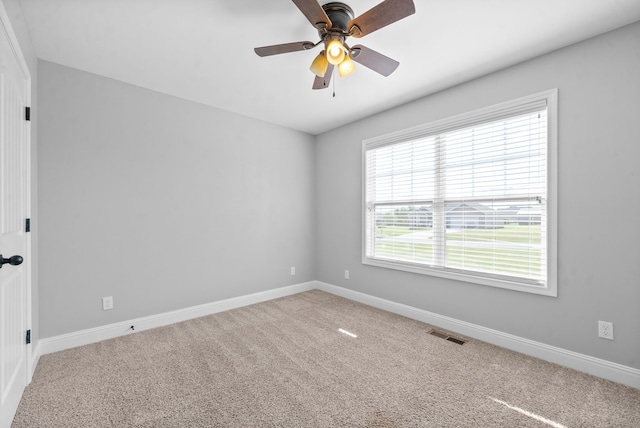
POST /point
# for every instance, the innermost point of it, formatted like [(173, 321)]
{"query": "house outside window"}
[(472, 197)]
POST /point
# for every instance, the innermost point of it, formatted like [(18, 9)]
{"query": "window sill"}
[(550, 291)]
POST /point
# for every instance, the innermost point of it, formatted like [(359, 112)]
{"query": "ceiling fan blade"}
[(373, 60), (314, 13), (385, 13), (284, 48), (323, 82)]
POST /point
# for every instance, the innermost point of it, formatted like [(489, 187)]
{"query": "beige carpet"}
[(284, 363)]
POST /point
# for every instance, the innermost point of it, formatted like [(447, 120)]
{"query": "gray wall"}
[(14, 11), (162, 203), (599, 202)]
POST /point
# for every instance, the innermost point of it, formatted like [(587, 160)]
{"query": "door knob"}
[(14, 261)]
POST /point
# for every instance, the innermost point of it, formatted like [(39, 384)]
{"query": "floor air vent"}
[(445, 336)]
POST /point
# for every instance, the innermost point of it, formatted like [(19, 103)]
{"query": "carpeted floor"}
[(285, 363)]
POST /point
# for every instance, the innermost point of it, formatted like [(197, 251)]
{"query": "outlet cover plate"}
[(605, 330), (107, 303)]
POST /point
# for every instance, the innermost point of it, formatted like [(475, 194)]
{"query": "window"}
[(472, 197)]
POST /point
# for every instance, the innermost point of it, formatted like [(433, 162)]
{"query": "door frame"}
[(5, 24)]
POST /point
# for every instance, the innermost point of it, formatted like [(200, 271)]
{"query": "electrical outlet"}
[(293, 270), (107, 303), (605, 330), (346, 274)]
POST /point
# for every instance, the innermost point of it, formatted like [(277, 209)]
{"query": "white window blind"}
[(466, 197)]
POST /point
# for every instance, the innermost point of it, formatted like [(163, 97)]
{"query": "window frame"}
[(475, 117)]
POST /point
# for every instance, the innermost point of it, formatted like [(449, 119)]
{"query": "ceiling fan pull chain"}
[(333, 81)]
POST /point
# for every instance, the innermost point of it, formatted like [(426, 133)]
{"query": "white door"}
[(14, 205)]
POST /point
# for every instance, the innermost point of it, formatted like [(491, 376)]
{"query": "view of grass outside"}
[(512, 250)]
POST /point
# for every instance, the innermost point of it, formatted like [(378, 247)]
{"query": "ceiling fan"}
[(335, 23)]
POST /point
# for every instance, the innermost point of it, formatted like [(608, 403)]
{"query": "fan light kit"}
[(335, 23)]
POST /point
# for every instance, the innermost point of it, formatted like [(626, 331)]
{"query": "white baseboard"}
[(36, 352), (110, 331), (584, 363)]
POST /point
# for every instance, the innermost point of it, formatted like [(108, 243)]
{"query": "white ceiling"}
[(202, 50)]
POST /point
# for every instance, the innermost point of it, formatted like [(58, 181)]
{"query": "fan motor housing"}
[(340, 15)]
